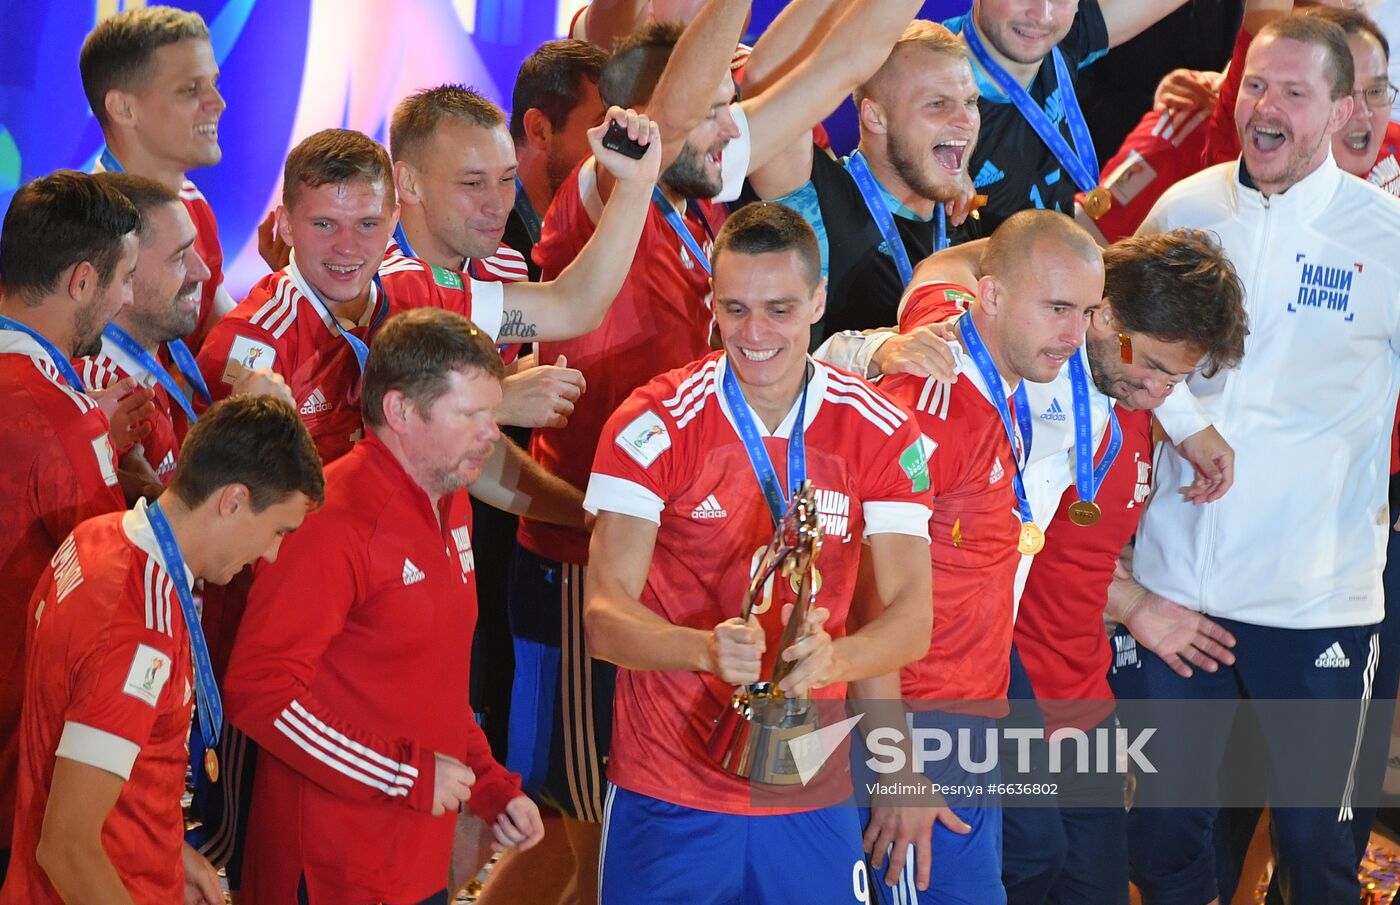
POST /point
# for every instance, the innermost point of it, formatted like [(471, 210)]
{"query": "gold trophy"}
[(752, 737)]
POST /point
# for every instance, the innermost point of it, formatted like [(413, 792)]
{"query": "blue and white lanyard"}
[(880, 212), (1081, 162), (758, 453), (977, 350)]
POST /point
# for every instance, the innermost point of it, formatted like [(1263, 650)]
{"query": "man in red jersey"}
[(1041, 280), (359, 698), (115, 660), (164, 309), (659, 321), (1172, 303), (67, 253), (151, 80), (309, 322), (687, 492), (455, 175)]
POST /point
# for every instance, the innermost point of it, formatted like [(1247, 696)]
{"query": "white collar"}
[(332, 322), (136, 525), (816, 389)]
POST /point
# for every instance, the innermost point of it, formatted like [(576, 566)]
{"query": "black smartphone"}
[(615, 139)]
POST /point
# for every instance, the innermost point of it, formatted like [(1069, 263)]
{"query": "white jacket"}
[(1299, 542)]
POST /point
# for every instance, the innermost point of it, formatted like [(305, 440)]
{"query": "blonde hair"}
[(919, 34)]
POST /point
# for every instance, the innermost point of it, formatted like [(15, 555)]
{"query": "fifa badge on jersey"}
[(150, 670), (445, 278), (106, 459), (645, 438), (914, 462), (245, 355), (959, 298)]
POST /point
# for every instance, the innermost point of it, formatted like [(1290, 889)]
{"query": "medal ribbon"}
[(526, 211), (122, 340), (880, 212), (677, 224), (758, 454), (109, 163), (357, 345), (401, 240), (1081, 162), (60, 361), (207, 702), (1088, 478), (977, 351)]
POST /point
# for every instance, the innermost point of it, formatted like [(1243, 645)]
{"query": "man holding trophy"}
[(695, 472)]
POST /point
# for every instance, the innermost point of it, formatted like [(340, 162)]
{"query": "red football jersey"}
[(659, 320), (505, 266), (59, 470), (109, 685), (277, 327), (169, 424), (350, 670), (672, 455), (206, 243), (972, 535), (1059, 629)]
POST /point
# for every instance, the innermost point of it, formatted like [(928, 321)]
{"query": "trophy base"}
[(754, 737)]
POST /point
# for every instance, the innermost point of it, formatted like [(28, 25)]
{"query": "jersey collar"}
[(1308, 194), (136, 525), (332, 323), (816, 390), (897, 207)]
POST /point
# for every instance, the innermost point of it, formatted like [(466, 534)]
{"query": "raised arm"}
[(790, 38), (576, 301), (849, 54), (605, 21), (1126, 19)]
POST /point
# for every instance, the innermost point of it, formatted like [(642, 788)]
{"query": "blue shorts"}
[(966, 869), (657, 853), (561, 701), (1171, 849)]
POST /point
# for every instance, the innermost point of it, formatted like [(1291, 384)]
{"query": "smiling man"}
[(151, 79), (1314, 246), (164, 309), (883, 207), (679, 484)]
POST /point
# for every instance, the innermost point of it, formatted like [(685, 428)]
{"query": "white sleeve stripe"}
[(274, 301), (290, 305), (97, 748), (150, 599), (694, 388), (292, 727), (688, 383), (862, 389), (894, 517), (407, 769), (865, 411), (488, 307), (391, 791), (607, 493)]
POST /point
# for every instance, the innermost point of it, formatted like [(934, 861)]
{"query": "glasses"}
[(1377, 97)]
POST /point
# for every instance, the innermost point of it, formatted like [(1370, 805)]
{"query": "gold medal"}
[(1098, 202), (211, 765), (1085, 513), (1032, 539), (795, 582)]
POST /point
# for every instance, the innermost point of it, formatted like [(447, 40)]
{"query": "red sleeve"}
[(122, 682), (928, 400), (296, 607), (636, 458), (932, 303), (71, 483), (495, 787), (1222, 138), (233, 347)]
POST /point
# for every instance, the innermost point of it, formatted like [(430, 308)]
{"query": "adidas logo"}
[(997, 471), (166, 467), (316, 403), (988, 175), (1332, 658), (411, 573), (1054, 412), (709, 508)]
